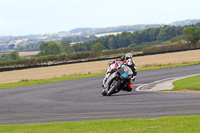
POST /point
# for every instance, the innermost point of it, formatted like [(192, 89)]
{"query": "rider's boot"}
[(128, 88)]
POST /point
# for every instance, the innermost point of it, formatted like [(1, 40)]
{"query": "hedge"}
[(168, 48)]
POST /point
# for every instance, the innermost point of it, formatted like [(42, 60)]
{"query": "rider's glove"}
[(133, 79), (114, 69), (118, 67)]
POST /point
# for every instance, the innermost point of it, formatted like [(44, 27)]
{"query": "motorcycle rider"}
[(125, 60), (131, 64)]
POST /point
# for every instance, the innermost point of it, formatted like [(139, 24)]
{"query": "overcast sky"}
[(25, 17)]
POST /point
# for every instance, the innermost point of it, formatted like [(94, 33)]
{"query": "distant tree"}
[(197, 25), (14, 55), (97, 49), (29, 47), (65, 44), (135, 38), (166, 33), (88, 44), (112, 44), (33, 46), (175, 39), (192, 34), (152, 33), (79, 47), (21, 48), (123, 40), (49, 48), (92, 37), (104, 40), (11, 46)]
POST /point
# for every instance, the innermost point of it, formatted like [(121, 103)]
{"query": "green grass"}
[(32, 82), (160, 66), (191, 83), (178, 124)]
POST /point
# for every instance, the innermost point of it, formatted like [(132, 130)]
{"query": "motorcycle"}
[(110, 70), (117, 80)]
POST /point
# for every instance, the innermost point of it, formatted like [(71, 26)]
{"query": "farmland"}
[(28, 54), (97, 66)]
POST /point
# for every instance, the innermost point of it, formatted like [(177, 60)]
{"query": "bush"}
[(166, 48), (79, 55), (125, 50)]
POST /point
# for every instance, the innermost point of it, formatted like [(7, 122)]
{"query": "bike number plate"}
[(125, 75)]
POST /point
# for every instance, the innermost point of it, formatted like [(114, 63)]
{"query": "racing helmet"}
[(130, 63), (128, 56)]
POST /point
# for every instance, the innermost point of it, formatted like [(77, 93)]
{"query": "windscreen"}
[(127, 70)]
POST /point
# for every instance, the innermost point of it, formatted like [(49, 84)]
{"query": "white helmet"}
[(128, 56)]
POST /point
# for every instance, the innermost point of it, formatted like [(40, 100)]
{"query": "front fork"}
[(105, 78)]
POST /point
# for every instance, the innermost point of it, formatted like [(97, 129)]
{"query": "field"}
[(97, 66), (106, 34), (28, 54)]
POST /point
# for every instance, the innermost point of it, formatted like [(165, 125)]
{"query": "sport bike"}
[(117, 80)]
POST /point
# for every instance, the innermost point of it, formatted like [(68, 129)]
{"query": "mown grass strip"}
[(191, 83), (160, 66), (32, 82), (178, 124)]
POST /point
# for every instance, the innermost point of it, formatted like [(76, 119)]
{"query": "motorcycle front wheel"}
[(104, 93), (113, 88)]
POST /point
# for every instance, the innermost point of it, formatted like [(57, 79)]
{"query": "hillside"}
[(186, 22), (113, 29), (129, 27)]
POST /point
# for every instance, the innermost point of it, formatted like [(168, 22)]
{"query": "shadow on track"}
[(122, 94)]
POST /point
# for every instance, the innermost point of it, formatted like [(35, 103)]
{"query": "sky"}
[(26, 17)]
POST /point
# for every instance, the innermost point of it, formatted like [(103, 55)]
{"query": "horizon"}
[(34, 17), (92, 28)]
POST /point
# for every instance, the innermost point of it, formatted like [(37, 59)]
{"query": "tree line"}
[(189, 40), (142, 38), (50, 53)]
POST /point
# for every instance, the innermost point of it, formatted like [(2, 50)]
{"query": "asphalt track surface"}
[(81, 100)]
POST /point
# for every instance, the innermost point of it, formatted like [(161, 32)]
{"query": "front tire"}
[(104, 93), (113, 88)]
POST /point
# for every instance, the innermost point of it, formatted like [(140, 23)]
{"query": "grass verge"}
[(178, 124), (32, 82), (160, 66), (191, 83)]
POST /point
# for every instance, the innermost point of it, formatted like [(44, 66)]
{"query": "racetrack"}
[(81, 100)]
